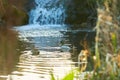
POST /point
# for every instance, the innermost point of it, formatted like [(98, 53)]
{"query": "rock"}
[(78, 12), (35, 51)]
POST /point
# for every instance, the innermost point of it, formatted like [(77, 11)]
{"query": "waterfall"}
[(48, 12), (46, 34), (46, 24)]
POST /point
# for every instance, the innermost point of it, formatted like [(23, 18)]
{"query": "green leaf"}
[(69, 76), (52, 75), (114, 41)]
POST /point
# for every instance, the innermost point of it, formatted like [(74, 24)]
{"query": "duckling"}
[(35, 51)]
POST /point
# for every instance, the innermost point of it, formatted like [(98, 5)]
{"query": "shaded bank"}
[(81, 12), (81, 16), (10, 50), (12, 13)]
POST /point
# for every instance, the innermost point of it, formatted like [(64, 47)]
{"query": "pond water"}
[(45, 44), (44, 33), (54, 53)]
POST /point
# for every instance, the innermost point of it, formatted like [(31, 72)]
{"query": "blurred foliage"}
[(8, 52), (68, 76), (107, 42), (52, 76), (12, 13)]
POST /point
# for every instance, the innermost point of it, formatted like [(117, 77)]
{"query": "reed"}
[(107, 42)]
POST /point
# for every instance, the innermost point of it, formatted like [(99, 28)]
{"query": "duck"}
[(82, 60)]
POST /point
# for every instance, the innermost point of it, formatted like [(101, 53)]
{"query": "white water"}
[(36, 30), (48, 12), (46, 22), (42, 35)]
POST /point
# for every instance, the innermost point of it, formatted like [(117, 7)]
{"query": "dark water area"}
[(81, 39)]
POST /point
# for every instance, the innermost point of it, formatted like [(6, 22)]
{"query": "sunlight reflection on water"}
[(38, 67)]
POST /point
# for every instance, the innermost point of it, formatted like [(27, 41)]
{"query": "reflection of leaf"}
[(114, 41)]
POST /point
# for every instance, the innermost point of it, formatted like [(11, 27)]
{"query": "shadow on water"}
[(9, 51), (76, 38)]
